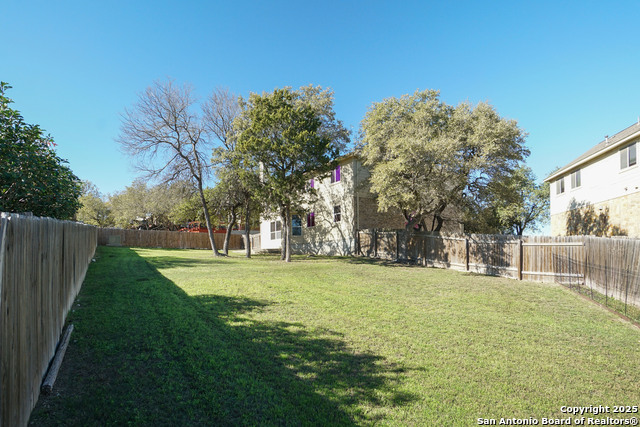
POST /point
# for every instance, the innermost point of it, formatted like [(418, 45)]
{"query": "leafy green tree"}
[(510, 205), (94, 209), (233, 195), (190, 209), (227, 201), (32, 177), (149, 207), (129, 204), (425, 155), (520, 202), (290, 135)]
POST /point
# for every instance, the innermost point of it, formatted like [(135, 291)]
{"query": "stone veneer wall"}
[(393, 218), (371, 218), (624, 212)]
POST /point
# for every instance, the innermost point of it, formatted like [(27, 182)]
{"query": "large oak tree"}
[(425, 155)]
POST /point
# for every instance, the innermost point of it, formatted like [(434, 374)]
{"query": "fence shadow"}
[(148, 353)]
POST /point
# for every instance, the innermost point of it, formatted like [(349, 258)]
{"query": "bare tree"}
[(220, 110), (168, 140), (236, 180)]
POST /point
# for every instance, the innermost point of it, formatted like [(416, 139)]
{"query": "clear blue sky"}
[(568, 72)]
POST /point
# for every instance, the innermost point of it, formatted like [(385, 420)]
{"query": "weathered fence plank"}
[(164, 239), (607, 266), (42, 266)]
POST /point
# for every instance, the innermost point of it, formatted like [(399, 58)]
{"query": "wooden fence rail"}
[(42, 265), (607, 266), (164, 239)]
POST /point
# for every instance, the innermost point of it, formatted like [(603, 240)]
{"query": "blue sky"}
[(568, 72)]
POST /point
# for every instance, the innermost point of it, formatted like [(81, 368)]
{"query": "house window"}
[(336, 214), (628, 156), (296, 225), (575, 179), (276, 230), (560, 186), (311, 219), (335, 174)]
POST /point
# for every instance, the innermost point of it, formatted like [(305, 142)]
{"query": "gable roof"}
[(608, 144)]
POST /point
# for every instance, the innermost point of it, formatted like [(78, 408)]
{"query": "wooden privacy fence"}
[(164, 239), (42, 265), (609, 267)]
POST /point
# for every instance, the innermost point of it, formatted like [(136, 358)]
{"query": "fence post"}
[(4, 223), (375, 243), (466, 249), (520, 258), (424, 251)]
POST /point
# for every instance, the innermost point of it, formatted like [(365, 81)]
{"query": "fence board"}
[(164, 239), (592, 265), (42, 266)]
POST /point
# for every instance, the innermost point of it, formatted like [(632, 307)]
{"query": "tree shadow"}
[(145, 352), (384, 262), (175, 262), (583, 220)]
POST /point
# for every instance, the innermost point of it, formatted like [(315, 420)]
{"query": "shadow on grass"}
[(146, 353), (382, 262)]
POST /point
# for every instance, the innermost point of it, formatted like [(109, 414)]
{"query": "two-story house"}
[(607, 177), (343, 206)]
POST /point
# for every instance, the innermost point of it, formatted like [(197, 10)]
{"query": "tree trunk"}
[(287, 256), (247, 229), (285, 217), (282, 236), (207, 220), (438, 221), (230, 224)]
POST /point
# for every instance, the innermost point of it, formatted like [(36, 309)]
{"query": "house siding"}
[(358, 210), (623, 212), (604, 184), (328, 237)]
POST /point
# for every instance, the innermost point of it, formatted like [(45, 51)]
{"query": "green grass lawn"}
[(176, 337)]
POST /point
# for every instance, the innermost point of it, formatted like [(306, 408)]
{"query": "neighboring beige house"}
[(606, 176), (344, 205)]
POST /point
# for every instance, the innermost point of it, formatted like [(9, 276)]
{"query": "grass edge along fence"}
[(606, 270), (164, 239), (43, 263)]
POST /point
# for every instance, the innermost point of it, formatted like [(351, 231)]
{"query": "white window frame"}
[(560, 186), (576, 179), (628, 156), (276, 230)]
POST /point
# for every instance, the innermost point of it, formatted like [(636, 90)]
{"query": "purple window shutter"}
[(338, 173)]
